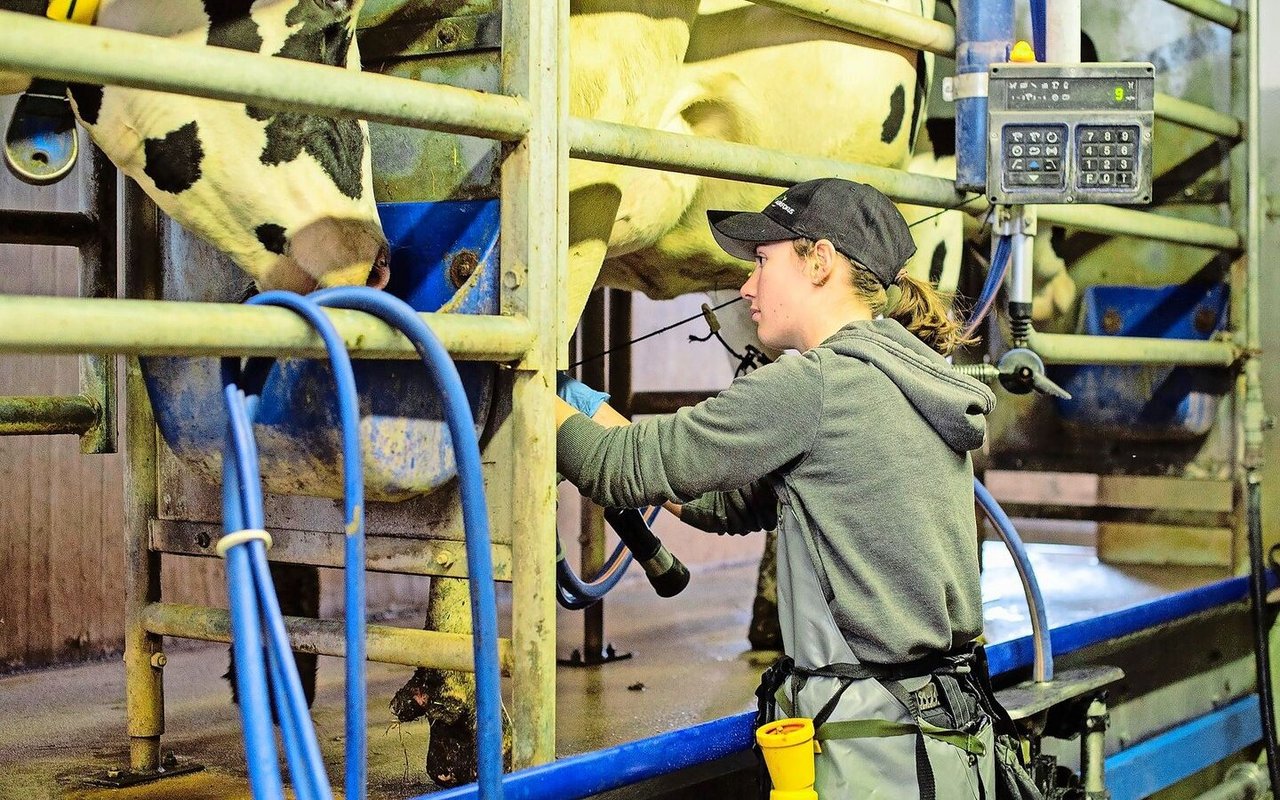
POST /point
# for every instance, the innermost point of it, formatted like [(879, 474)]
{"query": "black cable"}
[(652, 334), (1262, 656), (700, 314)]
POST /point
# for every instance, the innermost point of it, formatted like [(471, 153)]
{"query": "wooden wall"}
[(60, 512)]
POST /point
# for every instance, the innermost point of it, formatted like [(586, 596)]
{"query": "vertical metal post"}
[(144, 684), (1247, 408), (591, 531), (619, 334), (98, 279), (535, 238), (1093, 750), (984, 32), (1062, 32)]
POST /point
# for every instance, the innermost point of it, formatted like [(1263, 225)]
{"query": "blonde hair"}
[(921, 309)]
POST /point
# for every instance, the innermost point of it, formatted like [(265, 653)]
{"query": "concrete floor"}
[(690, 663)]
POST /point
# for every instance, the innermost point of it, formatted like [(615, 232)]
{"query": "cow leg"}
[(298, 587), (765, 632), (447, 698)]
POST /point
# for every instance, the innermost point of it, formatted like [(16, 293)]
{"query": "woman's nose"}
[(748, 289)]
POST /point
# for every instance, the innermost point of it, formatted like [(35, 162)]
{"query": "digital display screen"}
[(1073, 94)]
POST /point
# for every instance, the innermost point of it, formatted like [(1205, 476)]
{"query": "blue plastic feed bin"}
[(1147, 402), (444, 257)]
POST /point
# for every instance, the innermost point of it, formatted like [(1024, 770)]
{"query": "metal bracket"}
[(965, 85), (170, 767), (1011, 220), (609, 655)]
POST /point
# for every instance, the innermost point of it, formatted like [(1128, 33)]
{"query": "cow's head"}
[(288, 196)]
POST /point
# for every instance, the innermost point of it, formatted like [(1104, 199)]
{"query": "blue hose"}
[(1039, 28), (575, 593), (1042, 668), (991, 286), (242, 509), (475, 515)]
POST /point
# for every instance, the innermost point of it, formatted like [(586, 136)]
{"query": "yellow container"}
[(788, 747)]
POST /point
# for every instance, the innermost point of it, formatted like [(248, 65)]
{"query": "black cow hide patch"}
[(272, 237), (88, 97), (230, 25), (337, 144), (173, 162), (897, 110), (936, 262)]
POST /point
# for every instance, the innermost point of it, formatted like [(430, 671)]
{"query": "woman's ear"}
[(823, 262)]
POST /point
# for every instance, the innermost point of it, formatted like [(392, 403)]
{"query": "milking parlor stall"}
[(287, 285)]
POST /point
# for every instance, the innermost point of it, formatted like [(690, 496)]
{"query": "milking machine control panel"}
[(1070, 133)]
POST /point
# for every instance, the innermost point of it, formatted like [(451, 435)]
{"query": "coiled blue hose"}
[(475, 514), (242, 508), (251, 589)]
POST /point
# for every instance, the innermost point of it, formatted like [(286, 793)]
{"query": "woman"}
[(857, 449)]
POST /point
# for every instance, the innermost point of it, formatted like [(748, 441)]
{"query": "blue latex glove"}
[(579, 395)]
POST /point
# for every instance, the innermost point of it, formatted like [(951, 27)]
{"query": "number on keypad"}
[(1106, 156)]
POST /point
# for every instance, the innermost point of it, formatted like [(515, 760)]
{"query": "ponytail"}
[(922, 310)]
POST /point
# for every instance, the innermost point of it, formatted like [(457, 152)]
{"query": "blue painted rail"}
[(1131, 774)]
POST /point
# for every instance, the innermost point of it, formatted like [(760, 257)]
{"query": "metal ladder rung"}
[(384, 644)]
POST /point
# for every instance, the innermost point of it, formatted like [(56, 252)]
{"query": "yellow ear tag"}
[(81, 12), (1022, 53)]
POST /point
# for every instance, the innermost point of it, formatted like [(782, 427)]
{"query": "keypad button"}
[(1033, 179)]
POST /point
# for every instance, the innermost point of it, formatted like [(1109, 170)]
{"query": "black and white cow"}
[(288, 196)]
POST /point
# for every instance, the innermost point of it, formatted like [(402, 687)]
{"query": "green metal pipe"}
[(1197, 117), (98, 276), (614, 143), (385, 644), (1141, 225), (93, 54), (1254, 407), (1063, 348), (146, 327), (1212, 10), (877, 20), (535, 233), (46, 415), (56, 228), (639, 147), (143, 680)]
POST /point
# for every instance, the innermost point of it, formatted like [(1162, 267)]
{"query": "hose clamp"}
[(230, 540)]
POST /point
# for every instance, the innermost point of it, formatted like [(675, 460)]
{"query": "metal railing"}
[(532, 113)]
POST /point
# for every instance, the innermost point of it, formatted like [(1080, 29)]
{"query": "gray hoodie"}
[(862, 443)]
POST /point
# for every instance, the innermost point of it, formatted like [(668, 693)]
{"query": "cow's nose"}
[(380, 274)]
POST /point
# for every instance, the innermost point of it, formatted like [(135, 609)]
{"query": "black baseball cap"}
[(858, 219)]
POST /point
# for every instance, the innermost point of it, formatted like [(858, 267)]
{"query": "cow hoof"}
[(451, 755)]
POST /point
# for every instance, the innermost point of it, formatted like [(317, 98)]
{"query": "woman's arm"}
[(759, 424), (609, 417)]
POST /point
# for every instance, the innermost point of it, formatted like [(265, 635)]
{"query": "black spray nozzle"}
[(665, 572)]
